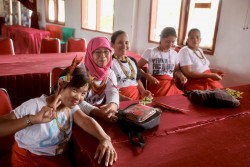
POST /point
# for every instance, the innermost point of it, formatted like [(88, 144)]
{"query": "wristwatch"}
[(29, 123)]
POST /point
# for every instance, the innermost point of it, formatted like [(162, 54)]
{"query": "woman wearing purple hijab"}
[(103, 92)]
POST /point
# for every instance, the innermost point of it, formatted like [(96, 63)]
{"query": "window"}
[(15, 13), (55, 11), (98, 15), (184, 15)]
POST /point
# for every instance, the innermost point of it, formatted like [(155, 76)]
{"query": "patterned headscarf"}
[(98, 72)]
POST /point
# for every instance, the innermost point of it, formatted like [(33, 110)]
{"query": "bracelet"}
[(29, 123)]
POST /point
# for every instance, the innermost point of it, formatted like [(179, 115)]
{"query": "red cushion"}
[(177, 49), (5, 108), (50, 45), (55, 73), (6, 47), (134, 55), (76, 45), (55, 31)]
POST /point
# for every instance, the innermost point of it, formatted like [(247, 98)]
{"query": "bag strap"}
[(136, 138)]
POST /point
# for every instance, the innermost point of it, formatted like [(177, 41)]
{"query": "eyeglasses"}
[(100, 52), (170, 42)]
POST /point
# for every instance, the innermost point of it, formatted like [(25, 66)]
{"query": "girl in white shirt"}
[(43, 125), (163, 65)]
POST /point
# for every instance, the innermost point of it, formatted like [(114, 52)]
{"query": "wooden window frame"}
[(183, 22), (84, 7), (56, 6)]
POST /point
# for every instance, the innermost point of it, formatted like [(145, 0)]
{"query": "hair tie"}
[(74, 64), (72, 67), (66, 78)]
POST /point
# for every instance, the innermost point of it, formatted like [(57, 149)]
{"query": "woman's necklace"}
[(201, 57), (64, 144), (169, 59), (132, 76), (63, 129), (97, 89)]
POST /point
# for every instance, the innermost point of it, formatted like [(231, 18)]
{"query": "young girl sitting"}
[(43, 125), (163, 64)]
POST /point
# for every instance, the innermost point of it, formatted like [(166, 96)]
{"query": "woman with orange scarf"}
[(126, 70), (195, 65), (163, 65), (103, 92)]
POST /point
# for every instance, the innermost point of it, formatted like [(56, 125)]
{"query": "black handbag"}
[(212, 98), (134, 126)]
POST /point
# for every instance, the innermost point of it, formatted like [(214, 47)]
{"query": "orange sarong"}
[(202, 84), (23, 158), (166, 87), (131, 92)]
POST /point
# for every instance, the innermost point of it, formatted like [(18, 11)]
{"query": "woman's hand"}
[(215, 76), (147, 93), (106, 149), (47, 113), (219, 72), (179, 75), (152, 80), (108, 112), (183, 79)]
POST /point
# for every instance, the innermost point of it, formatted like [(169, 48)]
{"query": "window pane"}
[(107, 15), (51, 10), (91, 14), (61, 11), (26, 14), (167, 15), (205, 20), (6, 9), (15, 12)]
